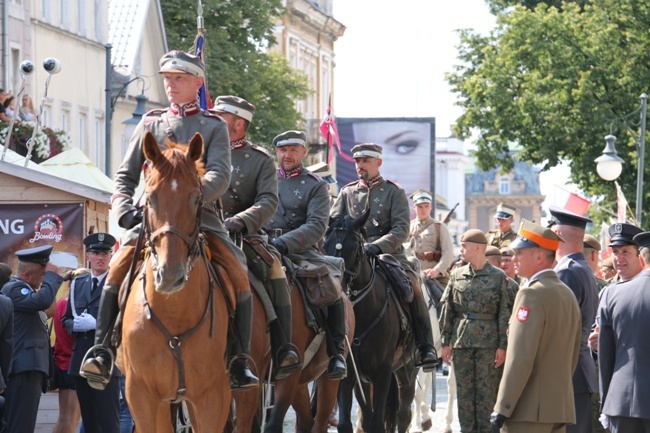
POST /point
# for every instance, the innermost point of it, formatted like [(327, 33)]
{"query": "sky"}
[(392, 61)]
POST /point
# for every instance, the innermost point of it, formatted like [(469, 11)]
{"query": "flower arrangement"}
[(47, 143)]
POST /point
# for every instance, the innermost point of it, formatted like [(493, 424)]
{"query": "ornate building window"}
[(504, 185)]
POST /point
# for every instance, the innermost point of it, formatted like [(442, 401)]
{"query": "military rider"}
[(387, 228), (183, 76), (249, 203), (300, 223)]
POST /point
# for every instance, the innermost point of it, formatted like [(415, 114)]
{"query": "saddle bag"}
[(320, 288), (258, 258), (397, 278)]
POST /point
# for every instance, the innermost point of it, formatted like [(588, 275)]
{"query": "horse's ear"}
[(195, 149), (150, 147), (361, 220)]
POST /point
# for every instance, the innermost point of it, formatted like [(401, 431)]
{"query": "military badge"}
[(522, 314)]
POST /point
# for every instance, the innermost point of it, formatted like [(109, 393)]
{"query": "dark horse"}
[(175, 325), (382, 347)]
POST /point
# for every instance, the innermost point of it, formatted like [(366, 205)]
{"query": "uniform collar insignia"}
[(372, 182), (184, 110), (291, 173), (238, 144)]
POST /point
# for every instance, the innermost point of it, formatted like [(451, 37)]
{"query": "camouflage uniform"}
[(252, 197), (474, 322), (300, 223), (388, 227), (500, 240)]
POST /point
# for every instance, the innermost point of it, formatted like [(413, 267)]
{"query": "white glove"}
[(604, 420), (84, 322)]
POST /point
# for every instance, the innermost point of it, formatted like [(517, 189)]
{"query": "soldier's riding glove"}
[(131, 219), (497, 420), (280, 246), (372, 250), (235, 225), (84, 322)]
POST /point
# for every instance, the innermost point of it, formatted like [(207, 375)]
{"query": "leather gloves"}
[(496, 420), (280, 246), (131, 219), (84, 322), (372, 250), (235, 225)]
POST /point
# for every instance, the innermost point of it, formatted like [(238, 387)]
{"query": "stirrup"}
[(283, 372), (95, 380)]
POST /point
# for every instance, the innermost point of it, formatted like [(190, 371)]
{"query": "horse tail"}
[(392, 405)]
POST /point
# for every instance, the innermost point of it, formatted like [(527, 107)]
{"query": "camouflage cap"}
[(474, 235)]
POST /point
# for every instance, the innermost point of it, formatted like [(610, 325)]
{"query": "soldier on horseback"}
[(386, 229), (183, 76), (299, 224), (251, 200)]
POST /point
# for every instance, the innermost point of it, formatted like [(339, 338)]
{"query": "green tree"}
[(238, 35), (556, 82)]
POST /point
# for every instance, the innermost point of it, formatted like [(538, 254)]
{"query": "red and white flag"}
[(577, 204), (621, 204), (331, 133)]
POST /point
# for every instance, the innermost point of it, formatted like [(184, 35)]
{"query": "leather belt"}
[(276, 233), (479, 316)]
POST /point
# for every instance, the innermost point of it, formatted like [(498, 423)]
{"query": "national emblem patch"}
[(522, 314)]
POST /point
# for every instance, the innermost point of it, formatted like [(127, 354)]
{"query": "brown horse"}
[(292, 390), (175, 326)]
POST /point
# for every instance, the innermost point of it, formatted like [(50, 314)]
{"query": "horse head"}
[(172, 215), (344, 238)]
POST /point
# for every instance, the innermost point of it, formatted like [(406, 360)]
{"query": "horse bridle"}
[(353, 273)]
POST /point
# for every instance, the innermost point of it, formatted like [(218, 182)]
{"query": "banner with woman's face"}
[(408, 149)]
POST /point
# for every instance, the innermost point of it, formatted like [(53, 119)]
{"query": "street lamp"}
[(609, 165)]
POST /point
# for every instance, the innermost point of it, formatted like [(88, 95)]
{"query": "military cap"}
[(181, 62), (99, 242), (367, 150), (589, 241), (531, 235), (474, 235), (235, 105), (505, 211), (643, 239), (564, 217), (608, 263), (491, 250), (290, 138), (623, 234), (323, 170), (40, 255), (507, 252), (421, 196)]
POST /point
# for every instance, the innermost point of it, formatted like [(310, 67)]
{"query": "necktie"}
[(95, 284)]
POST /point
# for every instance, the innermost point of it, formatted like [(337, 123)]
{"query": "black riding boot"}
[(240, 375), (98, 369), (423, 336), (286, 357), (336, 369)]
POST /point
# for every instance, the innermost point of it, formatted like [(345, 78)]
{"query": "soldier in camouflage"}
[(249, 203), (183, 76), (387, 229), (474, 322), (299, 224), (504, 218)]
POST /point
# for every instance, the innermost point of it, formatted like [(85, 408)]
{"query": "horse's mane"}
[(174, 163)]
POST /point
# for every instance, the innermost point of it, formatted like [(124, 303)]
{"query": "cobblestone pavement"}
[(49, 409)]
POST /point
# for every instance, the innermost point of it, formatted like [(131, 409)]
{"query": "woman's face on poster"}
[(406, 150)]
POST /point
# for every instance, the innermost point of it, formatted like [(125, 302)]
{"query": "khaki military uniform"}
[(543, 348), (427, 236), (474, 323), (500, 240)]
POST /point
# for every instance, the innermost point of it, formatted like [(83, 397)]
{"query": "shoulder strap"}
[(437, 224), (284, 215)]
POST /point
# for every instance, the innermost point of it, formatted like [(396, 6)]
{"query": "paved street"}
[(49, 408)]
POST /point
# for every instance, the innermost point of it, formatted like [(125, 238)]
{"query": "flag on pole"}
[(621, 204), (331, 134), (205, 101), (577, 204)]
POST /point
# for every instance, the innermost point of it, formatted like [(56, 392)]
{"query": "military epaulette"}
[(316, 177), (213, 115), (354, 182), (156, 112), (260, 149), (393, 183)]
